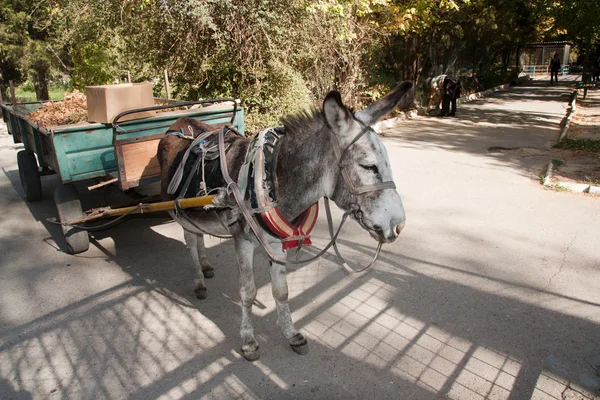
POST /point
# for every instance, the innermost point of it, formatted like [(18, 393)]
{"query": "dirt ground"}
[(579, 165)]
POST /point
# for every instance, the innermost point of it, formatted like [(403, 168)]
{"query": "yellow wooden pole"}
[(162, 206), (144, 208)]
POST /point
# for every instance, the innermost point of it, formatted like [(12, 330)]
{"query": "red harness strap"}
[(261, 154), (292, 235)]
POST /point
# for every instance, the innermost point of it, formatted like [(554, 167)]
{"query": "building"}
[(540, 53)]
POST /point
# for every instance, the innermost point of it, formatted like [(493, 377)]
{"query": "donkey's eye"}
[(372, 168)]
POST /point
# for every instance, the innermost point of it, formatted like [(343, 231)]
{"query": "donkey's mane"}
[(303, 123)]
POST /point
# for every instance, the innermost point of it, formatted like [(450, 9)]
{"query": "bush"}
[(284, 92), (266, 96)]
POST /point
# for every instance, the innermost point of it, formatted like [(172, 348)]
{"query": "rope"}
[(97, 228)]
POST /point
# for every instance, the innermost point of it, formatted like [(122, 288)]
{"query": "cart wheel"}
[(30, 175), (68, 206)]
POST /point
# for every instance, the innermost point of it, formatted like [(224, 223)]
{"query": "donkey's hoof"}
[(251, 352), (208, 273), (201, 293), (299, 344)]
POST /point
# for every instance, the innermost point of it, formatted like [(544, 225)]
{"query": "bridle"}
[(355, 191), (355, 210), (354, 207)]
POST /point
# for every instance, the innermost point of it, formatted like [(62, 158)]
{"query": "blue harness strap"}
[(178, 133)]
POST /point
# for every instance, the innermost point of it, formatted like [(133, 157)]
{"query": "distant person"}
[(445, 89), (554, 68)]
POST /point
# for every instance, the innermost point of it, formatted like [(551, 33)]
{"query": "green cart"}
[(121, 154)]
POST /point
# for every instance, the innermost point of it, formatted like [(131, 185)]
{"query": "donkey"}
[(323, 153)]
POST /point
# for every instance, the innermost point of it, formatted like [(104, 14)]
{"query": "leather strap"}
[(178, 175), (232, 188), (340, 153)]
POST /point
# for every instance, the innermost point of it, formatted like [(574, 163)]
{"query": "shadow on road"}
[(391, 330), (528, 116)]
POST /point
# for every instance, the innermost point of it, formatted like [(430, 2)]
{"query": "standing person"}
[(452, 88), (554, 68)]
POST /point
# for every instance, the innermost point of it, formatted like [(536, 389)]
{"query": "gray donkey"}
[(331, 153)]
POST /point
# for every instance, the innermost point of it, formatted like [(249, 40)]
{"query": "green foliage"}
[(284, 93), (26, 43), (26, 92), (578, 21), (13, 39), (590, 145), (91, 65), (277, 56)]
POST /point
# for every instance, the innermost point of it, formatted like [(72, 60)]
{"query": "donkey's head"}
[(364, 182)]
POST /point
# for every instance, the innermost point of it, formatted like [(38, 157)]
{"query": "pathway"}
[(492, 291)]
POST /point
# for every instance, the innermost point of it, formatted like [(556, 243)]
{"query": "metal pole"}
[(128, 77)]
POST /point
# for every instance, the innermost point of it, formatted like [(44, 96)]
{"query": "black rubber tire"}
[(69, 208), (30, 175)]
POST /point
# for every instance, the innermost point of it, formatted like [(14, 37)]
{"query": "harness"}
[(259, 168), (257, 180)]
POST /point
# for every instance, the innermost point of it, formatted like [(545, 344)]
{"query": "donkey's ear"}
[(338, 117), (382, 107)]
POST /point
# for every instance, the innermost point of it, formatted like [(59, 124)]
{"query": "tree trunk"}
[(586, 59), (474, 69), (40, 83)]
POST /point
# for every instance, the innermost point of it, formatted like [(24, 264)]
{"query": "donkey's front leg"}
[(245, 253), (195, 242), (280, 294)]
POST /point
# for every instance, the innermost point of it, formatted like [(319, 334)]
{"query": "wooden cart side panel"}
[(135, 152), (137, 161)]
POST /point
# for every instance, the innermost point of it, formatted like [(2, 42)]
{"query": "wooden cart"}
[(121, 153)]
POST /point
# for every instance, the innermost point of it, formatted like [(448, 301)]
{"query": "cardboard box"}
[(105, 102)]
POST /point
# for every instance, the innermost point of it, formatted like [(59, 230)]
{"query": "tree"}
[(13, 40), (578, 19), (26, 42)]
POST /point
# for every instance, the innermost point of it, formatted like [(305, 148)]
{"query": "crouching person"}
[(445, 89)]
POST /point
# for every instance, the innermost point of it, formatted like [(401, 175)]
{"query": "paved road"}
[(492, 291)]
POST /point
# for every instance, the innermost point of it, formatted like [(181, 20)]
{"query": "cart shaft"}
[(162, 206), (143, 208)]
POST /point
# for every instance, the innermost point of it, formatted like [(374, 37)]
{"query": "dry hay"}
[(71, 110)]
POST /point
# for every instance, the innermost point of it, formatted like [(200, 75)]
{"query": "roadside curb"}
[(573, 187), (388, 123), (571, 109)]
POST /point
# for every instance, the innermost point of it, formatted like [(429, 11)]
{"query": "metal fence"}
[(544, 69)]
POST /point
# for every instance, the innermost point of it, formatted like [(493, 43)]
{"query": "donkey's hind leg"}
[(207, 270), (284, 318), (203, 269)]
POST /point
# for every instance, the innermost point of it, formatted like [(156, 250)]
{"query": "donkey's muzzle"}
[(389, 234)]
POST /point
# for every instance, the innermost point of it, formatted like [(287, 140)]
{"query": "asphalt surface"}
[(492, 291)]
